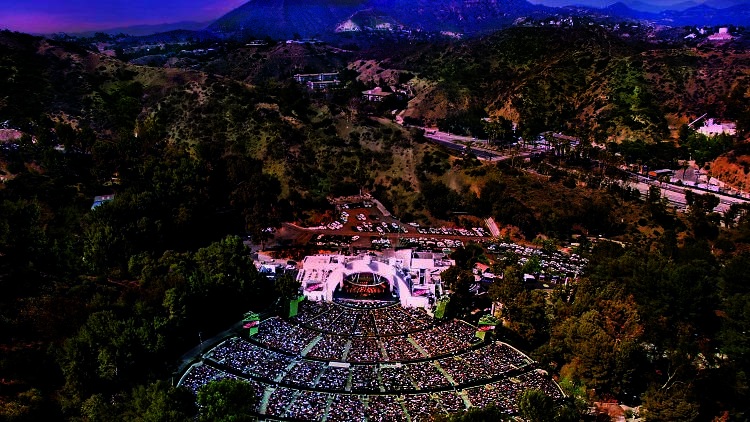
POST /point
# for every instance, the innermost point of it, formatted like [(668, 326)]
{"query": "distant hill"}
[(285, 19), (706, 15), (140, 30), (700, 15)]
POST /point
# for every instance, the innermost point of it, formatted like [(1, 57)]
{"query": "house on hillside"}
[(722, 35), (323, 85), (376, 94), (379, 94), (316, 77), (712, 128)]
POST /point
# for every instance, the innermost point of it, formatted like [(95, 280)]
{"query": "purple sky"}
[(45, 16)]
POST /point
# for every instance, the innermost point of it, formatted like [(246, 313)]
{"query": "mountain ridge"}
[(287, 19)]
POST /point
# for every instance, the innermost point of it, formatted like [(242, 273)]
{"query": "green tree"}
[(96, 409), (669, 404), (25, 406), (159, 402), (287, 287), (536, 406), (466, 257), (491, 413), (506, 289), (66, 135), (227, 400)]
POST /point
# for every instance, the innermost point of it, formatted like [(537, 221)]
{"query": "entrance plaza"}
[(363, 347)]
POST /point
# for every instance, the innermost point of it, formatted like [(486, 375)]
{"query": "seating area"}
[(384, 409), (343, 319), (334, 378), (329, 347), (395, 378), (364, 349), (345, 408), (402, 362), (248, 359)]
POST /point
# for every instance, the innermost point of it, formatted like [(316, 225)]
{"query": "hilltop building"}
[(323, 85), (722, 35), (378, 94), (712, 128), (412, 279), (316, 77), (319, 81), (375, 94)]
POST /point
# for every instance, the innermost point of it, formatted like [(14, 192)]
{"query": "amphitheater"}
[(369, 360)]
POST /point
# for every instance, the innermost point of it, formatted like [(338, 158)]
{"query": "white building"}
[(712, 128), (411, 279), (722, 35)]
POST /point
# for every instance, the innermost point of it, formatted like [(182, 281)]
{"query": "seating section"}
[(338, 362)]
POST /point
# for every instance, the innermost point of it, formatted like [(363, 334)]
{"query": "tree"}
[(467, 257), (158, 402), (506, 289), (601, 347), (66, 135), (669, 404), (26, 406), (701, 217), (287, 287), (227, 400), (536, 406), (491, 413)]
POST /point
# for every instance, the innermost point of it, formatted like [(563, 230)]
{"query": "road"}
[(676, 194), (457, 143)]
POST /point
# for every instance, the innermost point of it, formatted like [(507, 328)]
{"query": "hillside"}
[(278, 61), (733, 168), (285, 19), (587, 78)]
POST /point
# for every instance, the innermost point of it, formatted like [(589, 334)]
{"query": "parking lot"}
[(361, 225)]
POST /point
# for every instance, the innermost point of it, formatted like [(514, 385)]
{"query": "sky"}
[(47, 16)]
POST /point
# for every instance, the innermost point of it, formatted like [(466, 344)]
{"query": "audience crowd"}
[(301, 404), (346, 408), (317, 365), (384, 409)]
